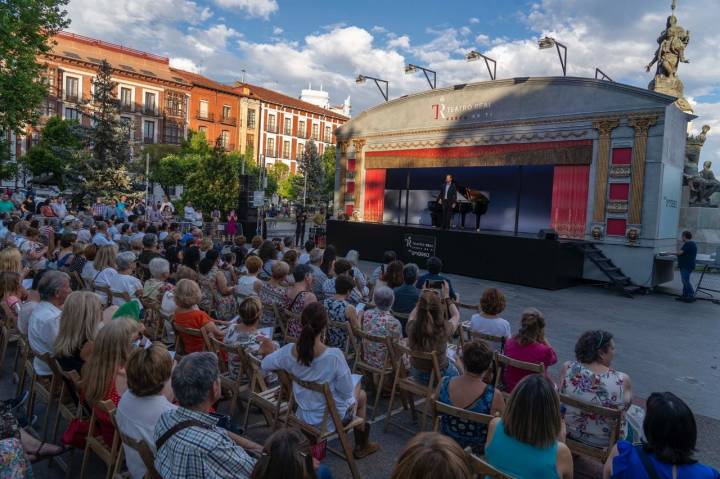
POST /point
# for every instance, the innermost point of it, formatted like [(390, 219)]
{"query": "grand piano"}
[(470, 201)]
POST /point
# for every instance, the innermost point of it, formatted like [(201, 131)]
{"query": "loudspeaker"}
[(547, 234), (246, 212)]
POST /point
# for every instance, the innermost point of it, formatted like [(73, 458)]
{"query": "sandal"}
[(40, 456)]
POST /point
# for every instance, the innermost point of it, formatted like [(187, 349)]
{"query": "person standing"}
[(686, 264), (300, 219), (448, 200), (231, 228)]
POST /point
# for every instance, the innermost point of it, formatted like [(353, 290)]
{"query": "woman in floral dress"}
[(379, 321), (339, 309), (591, 379), (273, 292), (298, 296)]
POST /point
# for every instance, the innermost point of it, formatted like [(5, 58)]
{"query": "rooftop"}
[(277, 98)]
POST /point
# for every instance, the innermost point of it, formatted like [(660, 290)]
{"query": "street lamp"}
[(549, 42), (410, 68), (475, 55), (384, 93)]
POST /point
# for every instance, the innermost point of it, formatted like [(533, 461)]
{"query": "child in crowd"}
[(246, 333)]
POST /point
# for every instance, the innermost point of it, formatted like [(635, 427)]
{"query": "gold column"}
[(340, 204), (359, 175), (637, 180), (605, 128)]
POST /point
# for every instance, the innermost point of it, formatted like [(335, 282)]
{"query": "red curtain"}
[(374, 195), (569, 200)]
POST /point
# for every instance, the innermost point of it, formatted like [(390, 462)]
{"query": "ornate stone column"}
[(342, 176), (359, 143), (605, 128), (641, 124)]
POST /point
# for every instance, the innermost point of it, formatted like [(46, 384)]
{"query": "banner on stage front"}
[(418, 248)]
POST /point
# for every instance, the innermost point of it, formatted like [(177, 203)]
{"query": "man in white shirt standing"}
[(44, 323), (59, 208)]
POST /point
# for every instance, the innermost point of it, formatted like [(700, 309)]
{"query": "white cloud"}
[(482, 39), (211, 40), (473, 21), (465, 31), (254, 8), (378, 29), (402, 42), (185, 64), (277, 30)]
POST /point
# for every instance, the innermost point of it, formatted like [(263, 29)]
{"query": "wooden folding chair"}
[(69, 407), (442, 409), (106, 291), (277, 318), (110, 454), (330, 414), (501, 364), (153, 319), (139, 446), (272, 401), (4, 341), (407, 386), (232, 385), (468, 335), (179, 344), (613, 416), (46, 392), (368, 370), (485, 470), (286, 316), (348, 348)]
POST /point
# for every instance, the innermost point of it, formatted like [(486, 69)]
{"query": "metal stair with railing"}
[(617, 279)]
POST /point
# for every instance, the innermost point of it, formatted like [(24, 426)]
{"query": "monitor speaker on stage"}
[(547, 234)]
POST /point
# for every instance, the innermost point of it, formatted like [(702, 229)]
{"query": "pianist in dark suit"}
[(447, 200)]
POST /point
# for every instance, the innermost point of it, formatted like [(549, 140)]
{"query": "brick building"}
[(286, 124)]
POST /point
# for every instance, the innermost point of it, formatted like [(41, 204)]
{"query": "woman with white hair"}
[(354, 257), (105, 265), (157, 285), (124, 281), (379, 321)]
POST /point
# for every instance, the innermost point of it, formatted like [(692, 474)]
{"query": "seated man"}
[(189, 442), (434, 266), (407, 295)]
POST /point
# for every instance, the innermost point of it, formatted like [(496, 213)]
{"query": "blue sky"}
[(287, 44)]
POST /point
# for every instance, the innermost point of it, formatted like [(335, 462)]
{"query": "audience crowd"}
[(137, 309)]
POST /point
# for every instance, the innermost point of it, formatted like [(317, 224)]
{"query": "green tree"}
[(61, 148), (26, 27), (311, 166), (214, 182), (328, 161)]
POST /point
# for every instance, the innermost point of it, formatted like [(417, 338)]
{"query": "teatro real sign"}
[(462, 111)]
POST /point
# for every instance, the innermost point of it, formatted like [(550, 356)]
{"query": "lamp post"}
[(549, 42), (600, 75), (363, 78), (474, 55), (410, 68)]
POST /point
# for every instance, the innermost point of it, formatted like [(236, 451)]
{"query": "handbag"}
[(76, 433), (319, 450)]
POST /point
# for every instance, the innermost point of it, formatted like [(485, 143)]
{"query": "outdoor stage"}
[(524, 260)]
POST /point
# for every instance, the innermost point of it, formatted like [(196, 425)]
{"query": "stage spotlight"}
[(549, 42), (383, 92), (410, 68), (475, 55), (360, 79)]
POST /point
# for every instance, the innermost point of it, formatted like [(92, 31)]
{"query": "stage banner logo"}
[(418, 248)]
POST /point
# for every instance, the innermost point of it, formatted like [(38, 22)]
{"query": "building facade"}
[(286, 124)]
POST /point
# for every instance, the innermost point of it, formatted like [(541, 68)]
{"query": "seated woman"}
[(311, 360), (298, 296), (268, 254), (246, 284), (33, 251), (124, 281), (105, 264), (218, 294), (156, 287), (272, 292), (80, 321), (527, 442), (429, 329), (469, 391), (339, 309), (670, 438), (89, 272), (148, 395), (432, 455), (488, 320), (103, 374), (11, 293), (393, 277), (245, 333), (286, 454), (528, 345), (379, 321), (187, 314), (591, 379)]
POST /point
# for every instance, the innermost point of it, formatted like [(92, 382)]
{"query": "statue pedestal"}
[(672, 86), (704, 224)]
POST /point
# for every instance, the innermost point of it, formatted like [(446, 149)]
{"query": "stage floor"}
[(497, 256)]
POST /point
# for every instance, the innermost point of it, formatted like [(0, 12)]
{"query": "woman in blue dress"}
[(671, 434), (470, 392)]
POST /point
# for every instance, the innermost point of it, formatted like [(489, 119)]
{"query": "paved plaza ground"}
[(664, 345)]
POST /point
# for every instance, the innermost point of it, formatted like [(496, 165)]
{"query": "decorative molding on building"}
[(358, 144), (343, 166), (632, 234), (642, 125), (605, 128), (536, 136), (617, 206), (619, 171)]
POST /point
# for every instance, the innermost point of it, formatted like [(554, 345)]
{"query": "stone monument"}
[(668, 56)]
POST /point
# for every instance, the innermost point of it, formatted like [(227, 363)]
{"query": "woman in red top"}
[(187, 314), (103, 374), (528, 345)]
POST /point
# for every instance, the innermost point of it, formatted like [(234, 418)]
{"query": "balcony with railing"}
[(71, 97), (270, 152), (174, 112), (287, 131), (228, 120), (151, 110), (127, 107), (204, 115), (271, 128)]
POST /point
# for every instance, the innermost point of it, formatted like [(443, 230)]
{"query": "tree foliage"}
[(328, 161), (25, 29), (55, 159), (311, 166)]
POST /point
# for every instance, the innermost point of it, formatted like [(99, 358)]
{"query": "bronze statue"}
[(703, 185)]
